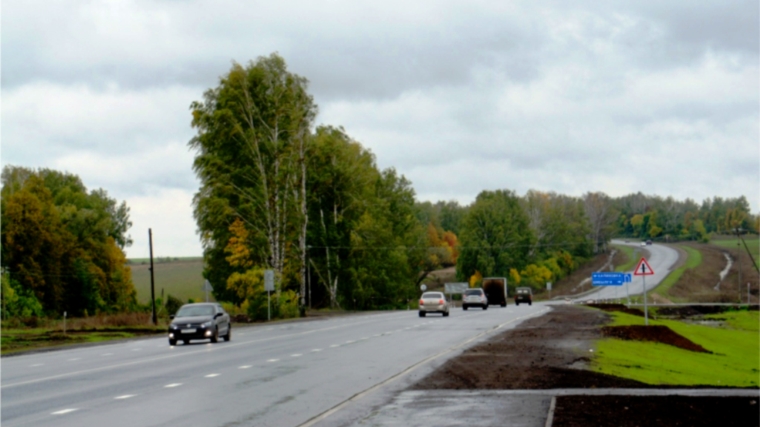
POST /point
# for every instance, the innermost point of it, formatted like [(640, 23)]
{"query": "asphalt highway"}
[(662, 259), (279, 374)]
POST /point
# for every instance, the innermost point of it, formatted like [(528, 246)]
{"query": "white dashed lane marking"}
[(126, 396), (173, 385), (64, 411), (212, 375), (107, 354), (296, 355), (244, 367), (350, 342), (273, 360), (334, 345), (315, 350), (36, 365), (75, 359)]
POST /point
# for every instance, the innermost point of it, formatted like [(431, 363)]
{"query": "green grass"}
[(23, 339), (735, 360), (182, 279), (753, 243), (693, 260), (630, 253)]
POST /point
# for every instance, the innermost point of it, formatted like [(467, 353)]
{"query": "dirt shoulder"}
[(553, 352), (550, 351)]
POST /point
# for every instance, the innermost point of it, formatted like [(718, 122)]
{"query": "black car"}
[(524, 295), (202, 321)]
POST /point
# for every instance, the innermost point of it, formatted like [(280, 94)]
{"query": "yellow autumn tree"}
[(475, 279)]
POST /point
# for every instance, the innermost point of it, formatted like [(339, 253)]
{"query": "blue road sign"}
[(628, 277), (608, 279)]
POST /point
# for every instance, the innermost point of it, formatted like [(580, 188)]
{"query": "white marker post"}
[(64, 323), (269, 287)]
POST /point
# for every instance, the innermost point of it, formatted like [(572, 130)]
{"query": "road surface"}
[(662, 259), (282, 374)]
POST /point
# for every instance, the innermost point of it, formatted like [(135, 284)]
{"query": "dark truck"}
[(496, 290)]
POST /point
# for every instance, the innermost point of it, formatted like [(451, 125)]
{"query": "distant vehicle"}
[(200, 321), (643, 243), (474, 297), (523, 295), (496, 290), (434, 302), (649, 242)]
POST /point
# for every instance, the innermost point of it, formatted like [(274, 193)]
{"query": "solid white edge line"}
[(319, 417), (550, 415)]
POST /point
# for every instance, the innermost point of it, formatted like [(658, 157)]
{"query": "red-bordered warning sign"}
[(643, 268)]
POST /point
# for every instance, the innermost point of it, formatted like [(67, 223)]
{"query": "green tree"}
[(65, 244), (251, 143), (495, 236)]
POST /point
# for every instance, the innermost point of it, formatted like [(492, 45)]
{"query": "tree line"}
[(313, 206), (62, 246)]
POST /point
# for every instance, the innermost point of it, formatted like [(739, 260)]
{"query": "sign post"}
[(269, 287), (549, 288), (455, 288), (207, 287), (643, 269)]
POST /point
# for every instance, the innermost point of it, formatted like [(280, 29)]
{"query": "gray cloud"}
[(622, 96)]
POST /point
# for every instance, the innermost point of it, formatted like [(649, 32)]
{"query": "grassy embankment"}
[(693, 260), (753, 243), (49, 333), (181, 278), (735, 360), (630, 257)]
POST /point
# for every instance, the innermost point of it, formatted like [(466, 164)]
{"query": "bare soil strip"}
[(553, 351)]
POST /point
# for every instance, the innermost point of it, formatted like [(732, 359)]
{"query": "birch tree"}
[(252, 132)]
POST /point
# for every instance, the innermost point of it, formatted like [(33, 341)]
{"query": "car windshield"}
[(473, 292), (432, 295), (195, 310)]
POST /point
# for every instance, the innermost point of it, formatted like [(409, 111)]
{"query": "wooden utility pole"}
[(152, 287)]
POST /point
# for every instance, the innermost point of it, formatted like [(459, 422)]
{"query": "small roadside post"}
[(207, 287), (643, 269), (549, 288), (64, 323), (269, 287)]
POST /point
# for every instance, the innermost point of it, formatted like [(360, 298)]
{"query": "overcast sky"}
[(616, 96)]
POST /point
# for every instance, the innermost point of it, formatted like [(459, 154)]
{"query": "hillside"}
[(182, 278)]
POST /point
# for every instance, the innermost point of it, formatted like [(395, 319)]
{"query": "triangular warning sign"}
[(643, 268)]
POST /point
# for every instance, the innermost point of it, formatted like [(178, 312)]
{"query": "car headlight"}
[(208, 324)]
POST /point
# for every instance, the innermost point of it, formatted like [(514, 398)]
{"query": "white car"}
[(474, 297), (434, 302)]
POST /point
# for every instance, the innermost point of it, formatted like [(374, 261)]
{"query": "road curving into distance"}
[(662, 259)]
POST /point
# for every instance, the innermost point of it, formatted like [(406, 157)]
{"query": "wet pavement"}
[(486, 408)]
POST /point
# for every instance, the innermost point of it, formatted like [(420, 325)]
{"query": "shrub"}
[(172, 304)]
